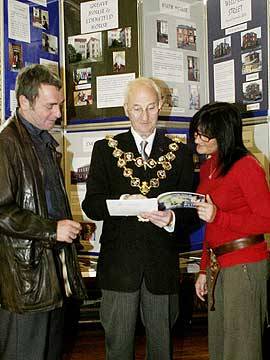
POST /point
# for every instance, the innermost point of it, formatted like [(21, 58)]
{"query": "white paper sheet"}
[(131, 207)]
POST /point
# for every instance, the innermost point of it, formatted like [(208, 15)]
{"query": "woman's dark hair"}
[(222, 121)]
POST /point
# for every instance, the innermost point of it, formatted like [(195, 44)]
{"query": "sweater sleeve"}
[(252, 182)]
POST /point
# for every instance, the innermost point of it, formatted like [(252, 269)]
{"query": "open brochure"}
[(179, 199), (165, 201)]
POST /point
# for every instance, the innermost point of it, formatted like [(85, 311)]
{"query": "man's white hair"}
[(141, 81)]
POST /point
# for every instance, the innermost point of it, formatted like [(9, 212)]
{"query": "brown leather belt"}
[(226, 248), (237, 244)]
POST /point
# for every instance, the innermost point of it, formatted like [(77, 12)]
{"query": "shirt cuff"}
[(170, 227)]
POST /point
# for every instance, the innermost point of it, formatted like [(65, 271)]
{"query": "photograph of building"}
[(252, 62), (85, 48), (251, 39), (186, 37), (222, 47)]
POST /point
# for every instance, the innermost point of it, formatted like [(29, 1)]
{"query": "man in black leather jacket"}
[(38, 261)]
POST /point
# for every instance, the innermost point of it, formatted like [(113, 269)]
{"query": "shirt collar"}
[(138, 139), (43, 135)]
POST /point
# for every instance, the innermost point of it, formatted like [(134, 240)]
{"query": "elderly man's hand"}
[(158, 218)]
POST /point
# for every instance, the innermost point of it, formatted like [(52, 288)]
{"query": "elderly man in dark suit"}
[(138, 264)]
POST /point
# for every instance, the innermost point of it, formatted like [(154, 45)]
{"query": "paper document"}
[(131, 207)]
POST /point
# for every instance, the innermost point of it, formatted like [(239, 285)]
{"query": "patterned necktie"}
[(143, 153)]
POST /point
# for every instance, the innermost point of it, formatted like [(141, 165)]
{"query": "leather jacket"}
[(29, 276)]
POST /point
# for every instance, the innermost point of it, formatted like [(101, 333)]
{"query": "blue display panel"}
[(238, 37), (31, 36)]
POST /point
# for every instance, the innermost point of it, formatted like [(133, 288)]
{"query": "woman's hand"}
[(201, 286), (206, 210)]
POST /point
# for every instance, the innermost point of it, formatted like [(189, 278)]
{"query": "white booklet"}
[(165, 201)]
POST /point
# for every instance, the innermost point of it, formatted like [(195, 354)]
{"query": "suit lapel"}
[(128, 144), (160, 145)]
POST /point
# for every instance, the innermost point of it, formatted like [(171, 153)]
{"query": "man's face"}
[(46, 108), (142, 109)]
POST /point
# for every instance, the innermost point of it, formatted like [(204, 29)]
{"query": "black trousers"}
[(31, 336)]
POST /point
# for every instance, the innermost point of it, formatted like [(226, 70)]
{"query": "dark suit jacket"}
[(131, 250)]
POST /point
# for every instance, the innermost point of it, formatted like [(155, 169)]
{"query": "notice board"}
[(238, 53), (31, 36), (101, 41)]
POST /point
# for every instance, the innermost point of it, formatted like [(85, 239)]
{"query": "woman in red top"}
[(237, 214)]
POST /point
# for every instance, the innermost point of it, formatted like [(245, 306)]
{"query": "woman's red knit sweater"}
[(242, 198)]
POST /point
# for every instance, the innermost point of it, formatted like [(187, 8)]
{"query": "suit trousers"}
[(31, 336), (236, 325), (119, 312)]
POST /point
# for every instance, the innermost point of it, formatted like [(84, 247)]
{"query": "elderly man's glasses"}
[(137, 111), (201, 136)]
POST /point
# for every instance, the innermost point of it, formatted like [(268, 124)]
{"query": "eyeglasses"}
[(137, 111), (203, 137)]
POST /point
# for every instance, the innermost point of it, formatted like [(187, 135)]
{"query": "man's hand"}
[(158, 218), (67, 230)]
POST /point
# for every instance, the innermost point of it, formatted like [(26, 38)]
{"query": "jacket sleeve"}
[(15, 220)]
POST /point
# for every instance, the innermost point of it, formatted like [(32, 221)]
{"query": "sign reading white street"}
[(175, 7), (234, 12), (99, 15)]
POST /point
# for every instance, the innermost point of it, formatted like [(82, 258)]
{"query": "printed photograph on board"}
[(170, 98), (49, 43), (85, 48), (40, 18), (119, 61), (186, 37), (162, 32), (252, 91), (193, 68), (251, 62), (194, 97), (15, 56), (251, 39), (119, 38), (222, 47), (82, 78), (83, 97)]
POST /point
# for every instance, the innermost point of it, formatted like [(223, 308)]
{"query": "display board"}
[(174, 53), (101, 41), (31, 36), (238, 53)]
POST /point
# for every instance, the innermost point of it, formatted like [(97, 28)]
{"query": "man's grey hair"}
[(141, 81)]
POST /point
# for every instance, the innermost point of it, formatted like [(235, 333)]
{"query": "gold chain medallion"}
[(125, 157)]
